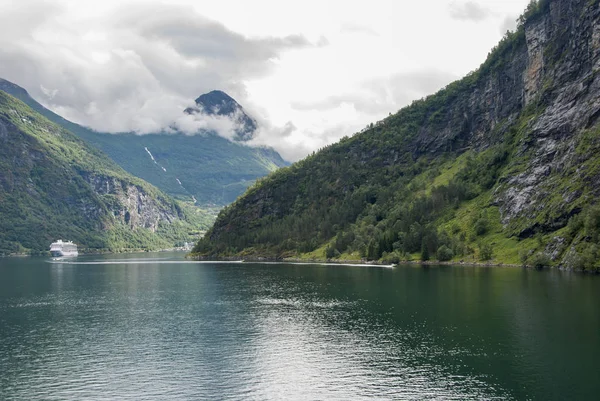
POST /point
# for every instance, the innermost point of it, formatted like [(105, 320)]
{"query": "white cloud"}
[(508, 24), (308, 77), (147, 63)]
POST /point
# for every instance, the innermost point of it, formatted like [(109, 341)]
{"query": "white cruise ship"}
[(61, 248)]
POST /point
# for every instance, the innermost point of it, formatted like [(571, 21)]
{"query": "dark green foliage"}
[(330, 252), (373, 252), (481, 226), (524, 257), (444, 253), (424, 252), (486, 252), (534, 10), (588, 259), (591, 223), (373, 219), (584, 230), (540, 260)]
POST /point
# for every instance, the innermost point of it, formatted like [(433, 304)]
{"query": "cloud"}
[(201, 39), (200, 123), (19, 21), (469, 11), (508, 24), (134, 69), (386, 94), (345, 114), (292, 144)]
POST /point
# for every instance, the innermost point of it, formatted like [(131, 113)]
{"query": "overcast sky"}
[(309, 71)]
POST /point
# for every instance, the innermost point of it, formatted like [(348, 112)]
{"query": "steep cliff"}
[(54, 186), (500, 165)]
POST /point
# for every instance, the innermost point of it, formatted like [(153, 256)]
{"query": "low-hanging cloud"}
[(293, 145), (135, 69)]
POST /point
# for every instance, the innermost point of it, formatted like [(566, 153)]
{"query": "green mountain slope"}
[(53, 185), (500, 166), (209, 168)]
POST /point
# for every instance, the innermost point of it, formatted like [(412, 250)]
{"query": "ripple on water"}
[(189, 331)]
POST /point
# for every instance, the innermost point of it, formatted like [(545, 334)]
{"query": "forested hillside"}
[(53, 185), (501, 166)]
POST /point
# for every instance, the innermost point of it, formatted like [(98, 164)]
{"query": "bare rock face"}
[(562, 77), (536, 38), (130, 204), (218, 103), (551, 90)]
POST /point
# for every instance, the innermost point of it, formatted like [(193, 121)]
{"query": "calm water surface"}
[(157, 327)]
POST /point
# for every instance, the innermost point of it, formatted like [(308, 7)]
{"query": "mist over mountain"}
[(218, 103), (205, 168)]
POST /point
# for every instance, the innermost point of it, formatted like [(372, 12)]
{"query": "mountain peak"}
[(219, 103)]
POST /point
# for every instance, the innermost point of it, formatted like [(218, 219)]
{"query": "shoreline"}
[(84, 253), (331, 262), (352, 262), (346, 262)]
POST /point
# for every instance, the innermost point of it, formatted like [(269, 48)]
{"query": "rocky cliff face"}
[(561, 81), (132, 205), (553, 71)]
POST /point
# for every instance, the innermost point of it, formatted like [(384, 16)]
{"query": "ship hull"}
[(63, 254)]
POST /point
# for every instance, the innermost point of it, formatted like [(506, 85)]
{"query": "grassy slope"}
[(43, 190)]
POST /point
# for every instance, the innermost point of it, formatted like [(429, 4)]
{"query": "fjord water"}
[(158, 327)]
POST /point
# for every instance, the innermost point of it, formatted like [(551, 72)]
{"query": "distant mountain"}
[(55, 186), (206, 168), (221, 104), (502, 165)]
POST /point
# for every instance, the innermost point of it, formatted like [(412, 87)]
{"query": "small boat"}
[(62, 248)]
